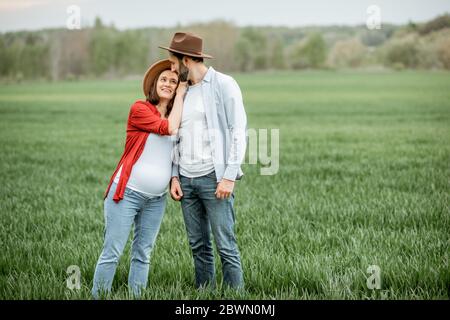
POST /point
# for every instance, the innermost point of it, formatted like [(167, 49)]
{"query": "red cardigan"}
[(143, 119)]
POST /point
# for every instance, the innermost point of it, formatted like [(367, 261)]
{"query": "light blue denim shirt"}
[(227, 125)]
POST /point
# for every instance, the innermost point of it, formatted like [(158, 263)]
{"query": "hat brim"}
[(152, 72), (203, 55)]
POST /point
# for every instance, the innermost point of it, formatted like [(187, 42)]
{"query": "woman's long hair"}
[(153, 97)]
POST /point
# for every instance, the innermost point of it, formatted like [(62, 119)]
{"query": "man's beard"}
[(184, 72)]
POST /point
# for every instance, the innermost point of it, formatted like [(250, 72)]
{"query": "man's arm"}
[(175, 187), (237, 124)]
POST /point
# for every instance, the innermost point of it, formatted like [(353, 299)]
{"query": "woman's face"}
[(167, 84)]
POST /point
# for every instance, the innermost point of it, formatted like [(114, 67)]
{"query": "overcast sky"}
[(37, 14)]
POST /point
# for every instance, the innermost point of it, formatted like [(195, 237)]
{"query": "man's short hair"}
[(180, 56)]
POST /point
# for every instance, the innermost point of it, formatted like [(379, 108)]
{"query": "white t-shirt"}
[(195, 150), (151, 173)]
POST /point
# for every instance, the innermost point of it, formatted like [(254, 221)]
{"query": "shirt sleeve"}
[(176, 158), (143, 118), (237, 124)]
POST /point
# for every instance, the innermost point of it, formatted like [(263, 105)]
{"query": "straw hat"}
[(153, 72)]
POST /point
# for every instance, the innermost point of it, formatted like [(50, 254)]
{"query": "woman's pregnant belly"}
[(151, 173), (150, 179)]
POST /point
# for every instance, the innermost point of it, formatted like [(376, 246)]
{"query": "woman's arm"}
[(177, 109), (142, 118)]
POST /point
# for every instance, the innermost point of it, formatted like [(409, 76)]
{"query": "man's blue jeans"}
[(204, 213), (146, 213)]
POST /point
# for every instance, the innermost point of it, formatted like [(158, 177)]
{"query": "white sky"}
[(37, 14)]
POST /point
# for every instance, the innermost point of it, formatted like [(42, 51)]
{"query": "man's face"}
[(179, 68)]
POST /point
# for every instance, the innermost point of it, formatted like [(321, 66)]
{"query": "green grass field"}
[(363, 180)]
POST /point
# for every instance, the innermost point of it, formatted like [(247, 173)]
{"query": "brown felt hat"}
[(153, 72), (188, 44)]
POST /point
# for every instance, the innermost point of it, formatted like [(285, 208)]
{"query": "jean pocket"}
[(212, 175), (128, 192)]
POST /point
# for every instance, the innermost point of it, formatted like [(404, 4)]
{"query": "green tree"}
[(102, 46), (436, 24), (243, 55), (347, 53), (373, 38), (251, 50), (277, 59), (130, 52), (402, 53), (315, 50), (309, 54)]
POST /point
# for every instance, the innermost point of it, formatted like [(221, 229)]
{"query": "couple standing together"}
[(203, 110)]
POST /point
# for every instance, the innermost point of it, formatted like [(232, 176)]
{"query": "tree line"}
[(106, 52)]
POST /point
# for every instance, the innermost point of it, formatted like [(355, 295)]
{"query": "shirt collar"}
[(208, 74)]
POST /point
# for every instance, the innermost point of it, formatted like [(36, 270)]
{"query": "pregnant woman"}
[(136, 193)]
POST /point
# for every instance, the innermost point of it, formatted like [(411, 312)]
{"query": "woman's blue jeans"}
[(146, 213)]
